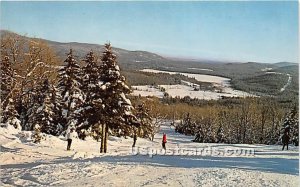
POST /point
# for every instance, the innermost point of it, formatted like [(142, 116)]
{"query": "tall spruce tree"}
[(146, 129), (7, 81), (56, 101), (37, 96), (45, 116), (291, 125), (91, 111), (117, 111), (69, 85)]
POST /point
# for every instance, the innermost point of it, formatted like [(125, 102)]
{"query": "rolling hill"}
[(249, 76)]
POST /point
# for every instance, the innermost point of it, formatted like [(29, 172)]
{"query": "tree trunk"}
[(105, 138), (102, 138), (263, 121)]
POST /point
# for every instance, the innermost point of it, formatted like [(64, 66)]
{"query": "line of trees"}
[(231, 120)]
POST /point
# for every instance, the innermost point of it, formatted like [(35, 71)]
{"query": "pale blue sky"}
[(240, 31)]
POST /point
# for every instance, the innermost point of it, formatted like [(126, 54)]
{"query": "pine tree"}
[(186, 127), (36, 136), (46, 117), (291, 126), (55, 100), (146, 128), (7, 81), (91, 111), (69, 85), (91, 75), (220, 135), (37, 96), (10, 115), (117, 111)]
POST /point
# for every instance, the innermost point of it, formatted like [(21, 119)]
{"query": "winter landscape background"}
[(220, 79)]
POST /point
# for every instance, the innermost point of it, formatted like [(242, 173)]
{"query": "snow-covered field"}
[(201, 69), (185, 90), (24, 163), (147, 91), (199, 77)]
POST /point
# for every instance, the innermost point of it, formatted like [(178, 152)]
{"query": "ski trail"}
[(287, 84), (48, 164)]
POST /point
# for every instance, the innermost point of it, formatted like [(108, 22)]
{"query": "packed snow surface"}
[(287, 84), (24, 163), (288, 81)]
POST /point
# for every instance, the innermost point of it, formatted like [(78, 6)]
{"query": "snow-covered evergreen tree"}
[(117, 111), (7, 78), (35, 101), (10, 115), (69, 85), (146, 128), (46, 109), (36, 136), (90, 111), (55, 100), (46, 117), (199, 134), (220, 135), (187, 126), (91, 75), (291, 126)]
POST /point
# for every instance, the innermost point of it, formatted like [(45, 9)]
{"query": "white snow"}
[(199, 77), (183, 90), (34, 68), (202, 69), (287, 84), (24, 163), (127, 101), (266, 69), (147, 91), (288, 81), (273, 72)]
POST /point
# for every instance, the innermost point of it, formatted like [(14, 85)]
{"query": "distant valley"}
[(251, 77)]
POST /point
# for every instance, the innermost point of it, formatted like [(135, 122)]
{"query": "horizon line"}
[(167, 56)]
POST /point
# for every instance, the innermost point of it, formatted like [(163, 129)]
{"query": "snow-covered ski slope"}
[(49, 164)]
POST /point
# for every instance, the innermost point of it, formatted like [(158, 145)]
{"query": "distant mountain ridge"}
[(126, 58), (132, 60), (251, 77), (284, 64)]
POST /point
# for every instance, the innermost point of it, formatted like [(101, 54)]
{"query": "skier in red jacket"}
[(164, 141)]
